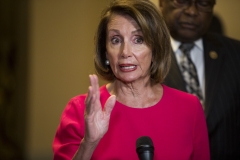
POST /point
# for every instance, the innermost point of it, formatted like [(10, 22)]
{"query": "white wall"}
[(61, 53)]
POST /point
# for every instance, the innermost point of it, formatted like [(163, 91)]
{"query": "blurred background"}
[(46, 55)]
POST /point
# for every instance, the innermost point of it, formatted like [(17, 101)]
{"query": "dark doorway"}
[(13, 78)]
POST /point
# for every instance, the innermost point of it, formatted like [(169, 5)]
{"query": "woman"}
[(133, 54)]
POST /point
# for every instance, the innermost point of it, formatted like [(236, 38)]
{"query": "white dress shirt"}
[(197, 57)]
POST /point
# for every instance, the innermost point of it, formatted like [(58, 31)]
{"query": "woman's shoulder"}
[(182, 102), (76, 104), (79, 100), (81, 97), (174, 96), (168, 91)]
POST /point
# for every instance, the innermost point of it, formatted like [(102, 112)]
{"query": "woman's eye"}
[(138, 40), (115, 40)]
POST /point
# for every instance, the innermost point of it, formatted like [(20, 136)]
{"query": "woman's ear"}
[(107, 61)]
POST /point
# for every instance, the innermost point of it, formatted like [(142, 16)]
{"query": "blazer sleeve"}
[(70, 130)]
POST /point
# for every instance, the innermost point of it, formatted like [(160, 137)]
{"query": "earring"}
[(107, 62)]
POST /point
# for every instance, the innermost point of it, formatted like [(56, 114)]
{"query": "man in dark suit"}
[(217, 62)]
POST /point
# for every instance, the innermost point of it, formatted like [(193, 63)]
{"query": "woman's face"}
[(129, 56)]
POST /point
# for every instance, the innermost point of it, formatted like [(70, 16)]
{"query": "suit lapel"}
[(213, 58), (174, 78)]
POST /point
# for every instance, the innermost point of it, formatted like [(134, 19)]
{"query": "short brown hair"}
[(154, 30)]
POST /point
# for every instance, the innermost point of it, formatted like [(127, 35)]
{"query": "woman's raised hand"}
[(96, 117)]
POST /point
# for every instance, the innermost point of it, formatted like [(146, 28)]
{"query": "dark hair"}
[(154, 30)]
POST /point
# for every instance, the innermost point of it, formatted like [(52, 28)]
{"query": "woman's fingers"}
[(92, 97), (95, 84), (96, 119)]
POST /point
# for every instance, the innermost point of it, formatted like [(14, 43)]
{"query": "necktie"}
[(189, 71)]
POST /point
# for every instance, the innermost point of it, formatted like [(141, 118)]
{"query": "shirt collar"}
[(175, 44)]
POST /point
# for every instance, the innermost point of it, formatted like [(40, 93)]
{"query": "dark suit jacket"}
[(222, 94)]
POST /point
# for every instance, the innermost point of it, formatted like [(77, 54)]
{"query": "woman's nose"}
[(126, 50)]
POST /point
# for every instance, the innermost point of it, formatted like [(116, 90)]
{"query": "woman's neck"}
[(137, 95)]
